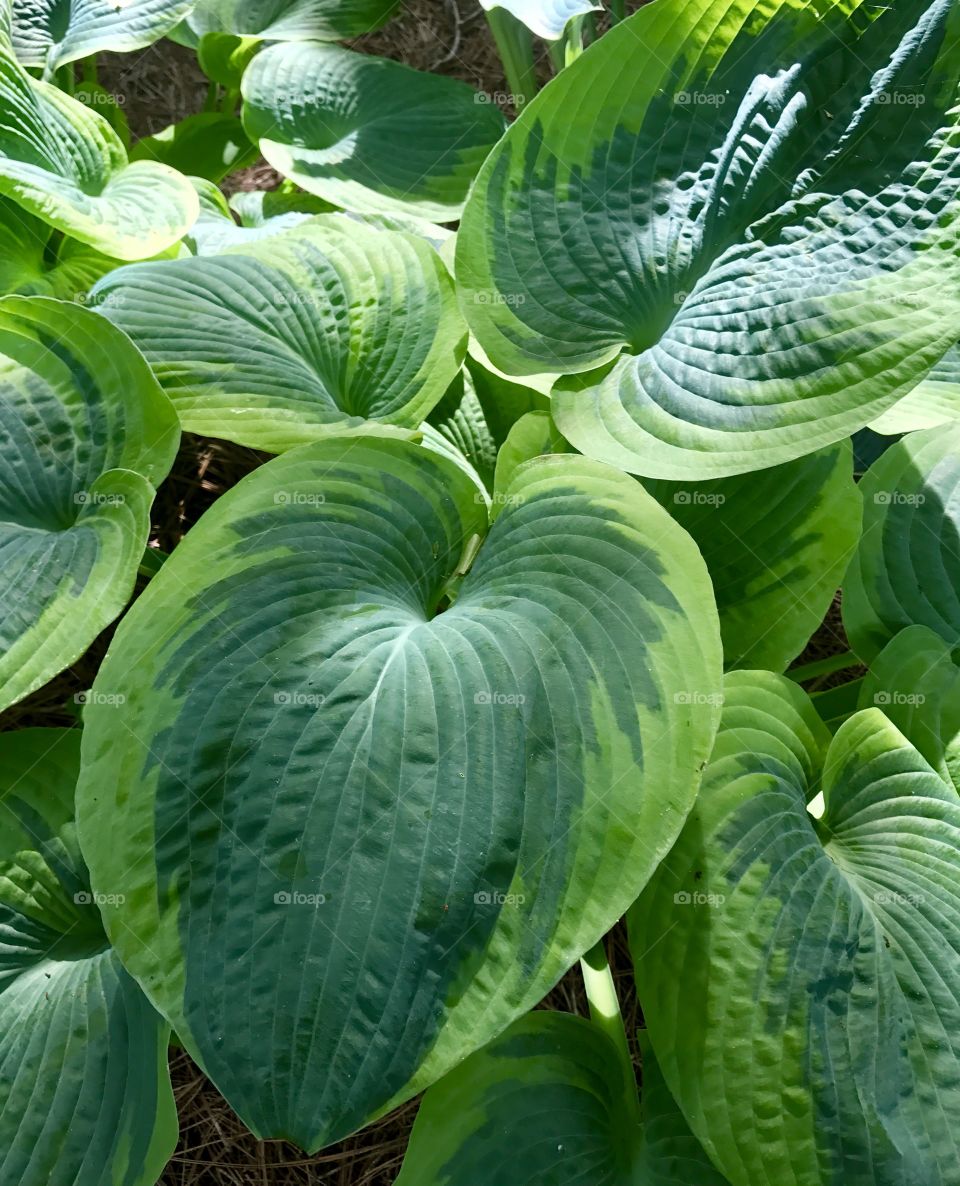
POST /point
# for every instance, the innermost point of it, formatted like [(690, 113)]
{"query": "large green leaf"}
[(36, 260), (278, 342), (287, 20), (367, 133), (915, 681), (907, 569), (387, 828), (739, 221), (550, 1103), (800, 978), (546, 18), (65, 164), (777, 543), (50, 33), (934, 401), (84, 431), (85, 1095)]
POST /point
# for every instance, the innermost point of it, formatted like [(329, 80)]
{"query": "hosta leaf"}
[(546, 18), (275, 343), (934, 401), (739, 220), (477, 412), (906, 571), (915, 681), (37, 260), (329, 119), (816, 1037), (389, 828), (84, 1093), (84, 431), (288, 20), (549, 1102), (777, 543), (533, 435), (207, 145), (65, 164), (50, 33)]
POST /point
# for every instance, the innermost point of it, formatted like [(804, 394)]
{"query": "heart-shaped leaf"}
[(279, 342), (814, 1037), (546, 18), (84, 431), (549, 1101), (389, 828), (287, 20), (329, 119), (85, 1093), (65, 164), (777, 544), (738, 220), (906, 570), (50, 33)]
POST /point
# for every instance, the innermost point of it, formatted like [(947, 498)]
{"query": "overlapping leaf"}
[(738, 221), (546, 18), (934, 401), (209, 144), (277, 342), (915, 681), (907, 569), (387, 828), (50, 33), (36, 260), (550, 1102), (330, 119), (67, 166), (287, 20), (777, 544), (477, 413), (84, 431), (85, 1092), (816, 1035)]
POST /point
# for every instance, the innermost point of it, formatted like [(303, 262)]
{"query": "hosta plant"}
[(580, 545)]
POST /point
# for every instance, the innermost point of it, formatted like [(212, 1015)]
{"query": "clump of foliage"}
[(567, 416)]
